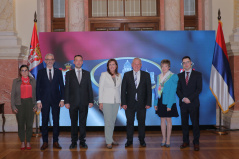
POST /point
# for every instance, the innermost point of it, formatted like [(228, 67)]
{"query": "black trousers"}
[(82, 112), (130, 115), (45, 118), (193, 111)]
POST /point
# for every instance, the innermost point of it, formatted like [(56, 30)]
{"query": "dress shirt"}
[(52, 72), (52, 75), (190, 71), (76, 71)]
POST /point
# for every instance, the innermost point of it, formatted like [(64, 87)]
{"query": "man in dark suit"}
[(50, 93), (78, 95), (189, 88), (136, 96)]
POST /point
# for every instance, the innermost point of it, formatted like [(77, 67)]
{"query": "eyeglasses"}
[(186, 62), (24, 70), (49, 59)]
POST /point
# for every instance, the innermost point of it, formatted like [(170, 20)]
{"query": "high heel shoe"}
[(109, 146), (22, 148), (167, 145), (162, 144), (29, 148)]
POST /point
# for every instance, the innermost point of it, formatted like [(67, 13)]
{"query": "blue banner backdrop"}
[(152, 46)]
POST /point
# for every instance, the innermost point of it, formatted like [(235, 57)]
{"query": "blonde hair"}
[(165, 61)]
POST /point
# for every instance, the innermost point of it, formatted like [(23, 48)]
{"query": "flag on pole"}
[(221, 83), (35, 61)]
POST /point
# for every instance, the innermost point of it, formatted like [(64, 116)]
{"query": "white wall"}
[(227, 14), (25, 10)]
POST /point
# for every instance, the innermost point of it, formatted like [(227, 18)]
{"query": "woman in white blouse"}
[(109, 98)]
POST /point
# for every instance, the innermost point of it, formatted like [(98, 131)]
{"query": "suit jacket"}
[(16, 92), (108, 91), (128, 90), (192, 90), (50, 92), (78, 94)]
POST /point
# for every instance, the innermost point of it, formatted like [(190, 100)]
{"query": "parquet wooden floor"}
[(212, 146)]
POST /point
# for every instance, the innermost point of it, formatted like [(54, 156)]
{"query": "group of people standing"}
[(133, 93)]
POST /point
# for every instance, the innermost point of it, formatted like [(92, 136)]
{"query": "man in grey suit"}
[(136, 96), (78, 96)]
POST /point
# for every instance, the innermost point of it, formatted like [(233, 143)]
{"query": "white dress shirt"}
[(190, 71), (52, 72), (76, 71), (52, 75)]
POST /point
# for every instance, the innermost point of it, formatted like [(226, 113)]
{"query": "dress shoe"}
[(184, 145), (73, 145), (196, 147), (115, 143), (142, 143), (57, 145), (109, 146), (44, 146), (83, 145), (128, 143)]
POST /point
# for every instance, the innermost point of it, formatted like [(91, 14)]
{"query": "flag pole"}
[(220, 130), (37, 133)]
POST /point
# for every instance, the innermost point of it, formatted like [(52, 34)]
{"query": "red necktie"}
[(187, 78)]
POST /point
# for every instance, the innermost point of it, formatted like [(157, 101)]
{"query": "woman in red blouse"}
[(23, 102)]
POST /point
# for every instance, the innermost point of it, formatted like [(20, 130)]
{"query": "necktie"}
[(50, 76), (135, 81), (187, 78), (79, 78)]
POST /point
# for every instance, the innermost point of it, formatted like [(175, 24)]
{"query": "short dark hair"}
[(186, 57), (22, 66), (165, 61), (116, 70), (78, 56)]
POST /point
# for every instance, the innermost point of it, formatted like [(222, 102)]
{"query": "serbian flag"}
[(34, 62), (221, 83)]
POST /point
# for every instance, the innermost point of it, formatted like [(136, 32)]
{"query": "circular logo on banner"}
[(124, 65)]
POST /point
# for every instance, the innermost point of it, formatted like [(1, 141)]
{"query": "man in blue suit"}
[(50, 93)]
